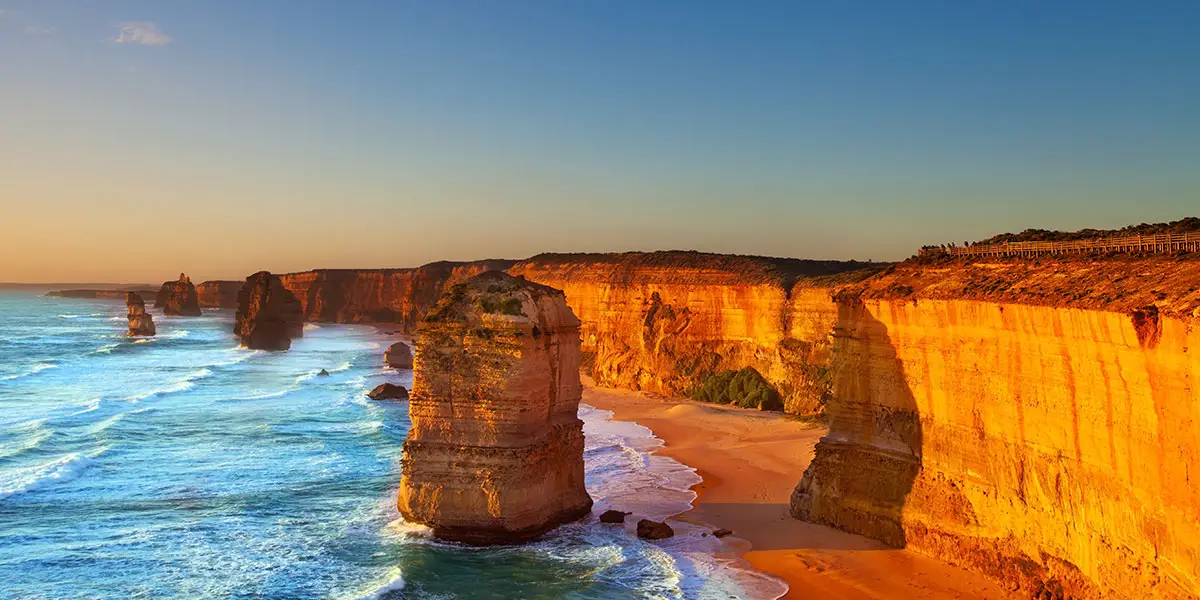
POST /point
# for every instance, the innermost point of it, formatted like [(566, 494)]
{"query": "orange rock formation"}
[(178, 298), (495, 453), (140, 321), (268, 315), (218, 294), (1037, 422), (665, 321)]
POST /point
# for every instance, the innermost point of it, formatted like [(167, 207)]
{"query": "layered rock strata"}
[(1037, 422), (178, 298), (140, 321), (218, 294), (399, 296), (495, 453), (269, 316), (666, 321)]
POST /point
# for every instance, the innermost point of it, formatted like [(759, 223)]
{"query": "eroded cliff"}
[(400, 296), (665, 321), (218, 294), (495, 453), (1038, 421)]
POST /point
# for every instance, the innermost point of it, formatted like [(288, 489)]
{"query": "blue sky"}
[(145, 138)]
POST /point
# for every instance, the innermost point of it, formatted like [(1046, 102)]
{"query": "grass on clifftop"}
[(745, 388)]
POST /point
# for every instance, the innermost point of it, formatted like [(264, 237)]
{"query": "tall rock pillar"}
[(495, 453)]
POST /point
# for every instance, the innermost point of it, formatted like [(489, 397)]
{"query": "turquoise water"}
[(183, 466)]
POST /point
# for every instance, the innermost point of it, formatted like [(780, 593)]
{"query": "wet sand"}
[(751, 462)]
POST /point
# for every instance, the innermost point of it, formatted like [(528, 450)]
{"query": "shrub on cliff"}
[(745, 388)]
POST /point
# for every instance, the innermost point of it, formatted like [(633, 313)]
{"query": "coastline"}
[(750, 461)]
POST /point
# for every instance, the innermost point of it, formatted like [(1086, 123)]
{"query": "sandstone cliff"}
[(178, 298), (665, 321), (268, 317), (98, 294), (1035, 420), (218, 294), (495, 453), (140, 322), (400, 296)]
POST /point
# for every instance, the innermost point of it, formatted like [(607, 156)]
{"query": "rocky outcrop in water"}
[(398, 356), (654, 530), (268, 317), (495, 453), (388, 391), (140, 321), (218, 294), (178, 298)]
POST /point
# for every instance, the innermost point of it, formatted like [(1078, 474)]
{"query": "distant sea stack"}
[(219, 294), (140, 321), (178, 298), (268, 315), (495, 453)]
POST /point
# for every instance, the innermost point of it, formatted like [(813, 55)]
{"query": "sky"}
[(141, 139)]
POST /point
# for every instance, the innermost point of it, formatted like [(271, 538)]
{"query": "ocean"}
[(184, 466)]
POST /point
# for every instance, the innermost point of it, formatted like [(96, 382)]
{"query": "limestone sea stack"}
[(178, 298), (495, 453), (268, 316), (140, 321)]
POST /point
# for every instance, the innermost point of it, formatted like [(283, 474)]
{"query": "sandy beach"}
[(751, 462)]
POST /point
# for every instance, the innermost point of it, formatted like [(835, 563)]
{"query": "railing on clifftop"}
[(1160, 243)]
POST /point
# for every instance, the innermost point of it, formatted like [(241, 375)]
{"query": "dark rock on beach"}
[(613, 516), (653, 530)]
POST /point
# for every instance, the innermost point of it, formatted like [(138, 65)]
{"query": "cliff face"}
[(400, 296), (495, 453), (268, 317), (178, 298), (1050, 443), (218, 294), (665, 321)]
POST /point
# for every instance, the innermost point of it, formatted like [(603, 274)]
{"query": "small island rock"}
[(140, 321), (178, 298), (613, 516), (388, 391), (653, 530)]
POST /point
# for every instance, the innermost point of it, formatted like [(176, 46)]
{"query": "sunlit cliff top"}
[(1121, 283)]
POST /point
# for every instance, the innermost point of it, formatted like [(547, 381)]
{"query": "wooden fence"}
[(1161, 243)]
